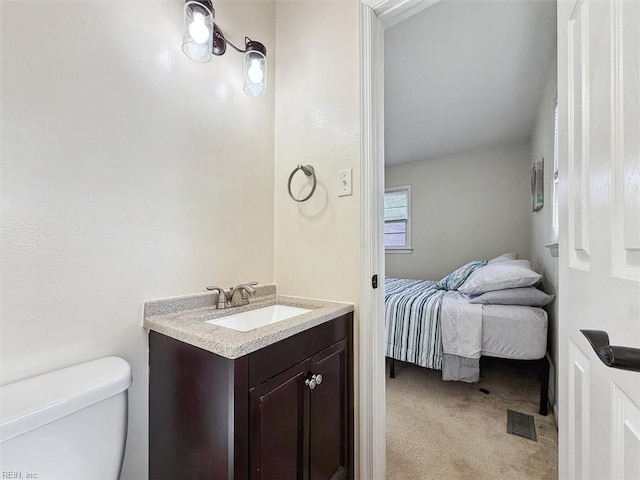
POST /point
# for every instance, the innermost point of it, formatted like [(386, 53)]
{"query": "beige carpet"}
[(450, 430)]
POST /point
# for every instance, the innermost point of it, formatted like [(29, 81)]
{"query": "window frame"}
[(406, 248)]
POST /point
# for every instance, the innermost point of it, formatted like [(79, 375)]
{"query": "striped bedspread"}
[(412, 321)]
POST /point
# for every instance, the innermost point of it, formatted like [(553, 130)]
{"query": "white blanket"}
[(461, 324)]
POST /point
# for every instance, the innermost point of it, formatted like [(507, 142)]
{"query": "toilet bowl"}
[(68, 424)]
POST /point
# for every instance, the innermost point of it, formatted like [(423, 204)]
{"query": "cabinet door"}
[(329, 420), (279, 426)]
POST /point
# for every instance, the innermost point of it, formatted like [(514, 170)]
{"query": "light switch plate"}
[(344, 183)]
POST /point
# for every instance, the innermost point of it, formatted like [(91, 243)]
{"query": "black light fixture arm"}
[(221, 36), (248, 43)]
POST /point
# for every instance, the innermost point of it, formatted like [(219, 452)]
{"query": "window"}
[(397, 219), (556, 161)]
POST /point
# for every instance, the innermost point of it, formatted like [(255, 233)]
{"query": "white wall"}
[(541, 221), (469, 206), (317, 243), (129, 172), (317, 122)]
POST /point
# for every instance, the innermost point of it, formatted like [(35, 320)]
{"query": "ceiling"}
[(464, 74)]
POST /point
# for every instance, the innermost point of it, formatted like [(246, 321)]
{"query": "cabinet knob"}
[(313, 381)]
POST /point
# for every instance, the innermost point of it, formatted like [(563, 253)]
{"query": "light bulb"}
[(198, 30), (196, 51), (255, 71)]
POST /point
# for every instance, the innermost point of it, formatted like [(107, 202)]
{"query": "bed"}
[(419, 317)]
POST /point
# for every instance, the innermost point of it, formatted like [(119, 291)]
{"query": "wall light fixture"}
[(203, 38)]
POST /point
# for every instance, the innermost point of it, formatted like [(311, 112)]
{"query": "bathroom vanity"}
[(275, 402)]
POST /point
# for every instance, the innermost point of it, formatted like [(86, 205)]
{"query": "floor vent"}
[(521, 424)]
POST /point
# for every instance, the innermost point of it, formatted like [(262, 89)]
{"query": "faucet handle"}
[(248, 289), (250, 285), (222, 296)]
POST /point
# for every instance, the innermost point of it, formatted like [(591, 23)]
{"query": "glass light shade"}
[(197, 42), (255, 73)]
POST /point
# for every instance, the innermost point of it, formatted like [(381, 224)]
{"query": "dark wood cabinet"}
[(328, 419), (283, 412), (290, 413), (279, 426)]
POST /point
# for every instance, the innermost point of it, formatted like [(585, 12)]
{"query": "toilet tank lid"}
[(36, 401)]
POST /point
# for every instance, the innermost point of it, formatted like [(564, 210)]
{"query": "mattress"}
[(511, 331)]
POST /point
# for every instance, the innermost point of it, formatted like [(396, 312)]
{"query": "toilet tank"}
[(68, 424)]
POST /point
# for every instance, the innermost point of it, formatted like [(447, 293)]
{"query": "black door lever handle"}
[(624, 358)]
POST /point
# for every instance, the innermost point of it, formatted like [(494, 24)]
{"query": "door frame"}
[(375, 17)]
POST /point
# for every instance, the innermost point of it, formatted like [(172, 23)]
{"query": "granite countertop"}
[(183, 318)]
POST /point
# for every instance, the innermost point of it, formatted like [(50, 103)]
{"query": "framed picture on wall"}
[(537, 185)]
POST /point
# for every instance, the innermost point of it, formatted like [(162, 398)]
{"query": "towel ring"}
[(309, 172)]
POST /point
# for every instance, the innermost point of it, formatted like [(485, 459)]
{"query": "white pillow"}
[(498, 276), (523, 263), (529, 296), (504, 258)]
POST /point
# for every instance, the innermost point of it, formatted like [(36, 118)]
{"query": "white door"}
[(599, 108)]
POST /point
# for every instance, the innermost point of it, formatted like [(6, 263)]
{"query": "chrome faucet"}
[(228, 298), (222, 301), (246, 290)]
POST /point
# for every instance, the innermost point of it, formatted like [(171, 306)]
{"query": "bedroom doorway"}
[(386, 16)]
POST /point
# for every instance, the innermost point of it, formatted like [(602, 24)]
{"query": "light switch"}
[(344, 183)]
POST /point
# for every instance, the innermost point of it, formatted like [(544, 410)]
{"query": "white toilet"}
[(68, 424)]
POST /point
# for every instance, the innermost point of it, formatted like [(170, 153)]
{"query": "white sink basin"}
[(245, 321)]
